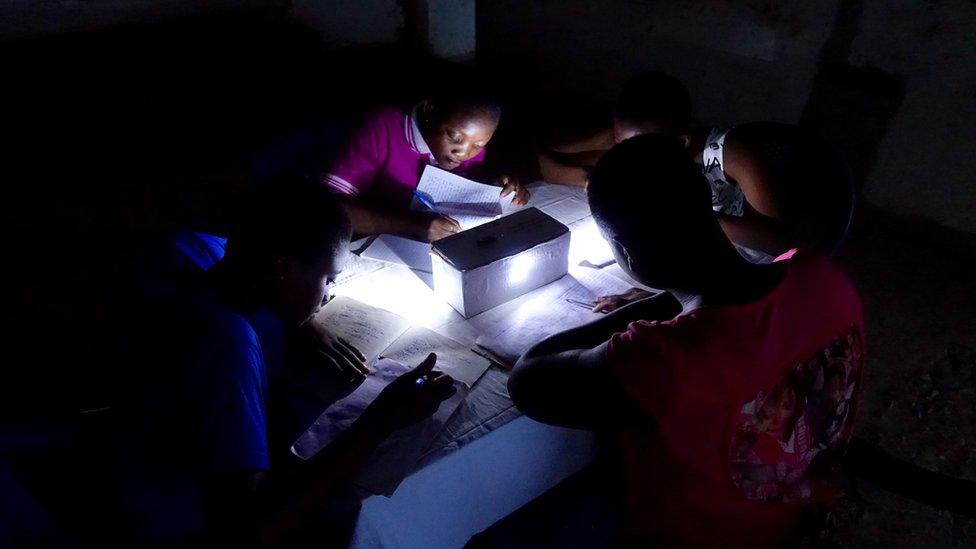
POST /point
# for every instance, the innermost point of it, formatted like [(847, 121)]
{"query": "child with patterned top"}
[(728, 414)]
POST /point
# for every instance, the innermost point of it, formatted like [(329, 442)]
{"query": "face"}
[(305, 287), (457, 137)]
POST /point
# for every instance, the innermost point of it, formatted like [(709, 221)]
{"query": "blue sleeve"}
[(234, 433), (196, 251)]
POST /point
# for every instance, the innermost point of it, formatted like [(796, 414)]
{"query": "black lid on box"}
[(498, 239)]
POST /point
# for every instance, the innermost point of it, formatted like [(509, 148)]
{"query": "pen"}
[(425, 201), (579, 303)]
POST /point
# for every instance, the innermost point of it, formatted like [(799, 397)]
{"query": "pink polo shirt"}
[(385, 157)]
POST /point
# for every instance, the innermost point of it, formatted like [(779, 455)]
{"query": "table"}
[(489, 460)]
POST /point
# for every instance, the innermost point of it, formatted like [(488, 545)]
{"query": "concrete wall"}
[(451, 28), (927, 161), (891, 82), (339, 22), (348, 22), (38, 18)]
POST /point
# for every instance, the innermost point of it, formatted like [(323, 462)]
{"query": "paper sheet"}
[(567, 210), (355, 267), (400, 452), (401, 291), (467, 221), (368, 328), (401, 251), (343, 412), (561, 305), (395, 458), (466, 201), (453, 358)]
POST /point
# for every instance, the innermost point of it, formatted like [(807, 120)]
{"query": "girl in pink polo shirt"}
[(383, 160)]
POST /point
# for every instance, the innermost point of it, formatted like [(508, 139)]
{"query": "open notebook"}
[(379, 333), (392, 347)]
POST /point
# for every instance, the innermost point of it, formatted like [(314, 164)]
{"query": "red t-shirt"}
[(739, 400)]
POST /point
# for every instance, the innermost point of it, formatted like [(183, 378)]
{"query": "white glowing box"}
[(486, 266)]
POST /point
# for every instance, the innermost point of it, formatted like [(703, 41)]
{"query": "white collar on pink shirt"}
[(411, 128)]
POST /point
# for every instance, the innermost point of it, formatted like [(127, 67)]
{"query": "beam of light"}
[(588, 244), (520, 267), (399, 290)]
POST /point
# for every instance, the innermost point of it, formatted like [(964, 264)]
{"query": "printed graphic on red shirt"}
[(782, 430)]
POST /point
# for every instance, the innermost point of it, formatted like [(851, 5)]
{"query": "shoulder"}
[(228, 334), (385, 117), (645, 338)]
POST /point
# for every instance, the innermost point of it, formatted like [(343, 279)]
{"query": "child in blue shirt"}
[(194, 450)]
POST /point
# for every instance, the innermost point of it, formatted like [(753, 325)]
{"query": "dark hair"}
[(646, 186), (655, 98), (294, 218), (465, 92)]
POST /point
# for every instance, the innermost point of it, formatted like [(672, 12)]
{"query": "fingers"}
[(439, 387), (425, 367), (339, 367), (351, 358), (508, 189), (440, 380), (453, 225), (521, 196), (606, 305), (353, 348)]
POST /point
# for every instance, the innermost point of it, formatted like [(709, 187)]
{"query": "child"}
[(650, 102), (774, 187), (194, 445), (726, 411), (381, 164)]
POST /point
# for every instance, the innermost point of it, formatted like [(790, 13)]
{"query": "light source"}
[(519, 268)]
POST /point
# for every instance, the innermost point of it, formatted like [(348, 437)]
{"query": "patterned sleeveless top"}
[(727, 197)]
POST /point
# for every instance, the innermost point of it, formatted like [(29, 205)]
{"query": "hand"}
[(404, 402), (511, 184), (610, 303), (430, 227), (340, 355)]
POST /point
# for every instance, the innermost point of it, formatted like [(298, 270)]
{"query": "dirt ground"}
[(918, 284)]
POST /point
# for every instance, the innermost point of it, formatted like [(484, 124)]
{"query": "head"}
[(655, 209), (457, 127), (652, 102), (290, 244)]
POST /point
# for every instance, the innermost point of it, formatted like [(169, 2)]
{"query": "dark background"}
[(124, 119)]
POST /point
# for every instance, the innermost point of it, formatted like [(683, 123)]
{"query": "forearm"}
[(759, 232), (554, 171), (662, 306), (367, 219), (293, 502)]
